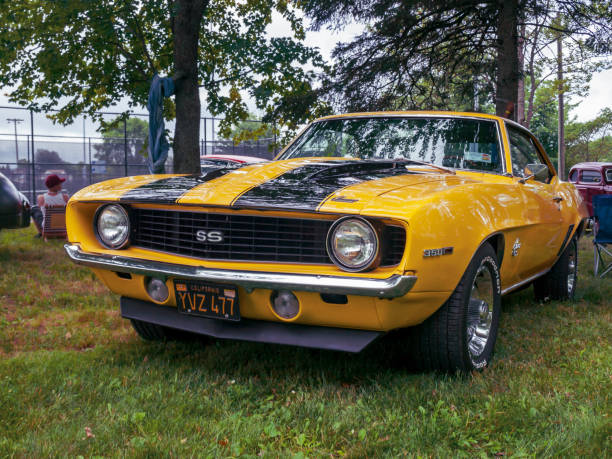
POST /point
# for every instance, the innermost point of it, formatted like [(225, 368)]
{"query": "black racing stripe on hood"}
[(170, 189), (306, 187)]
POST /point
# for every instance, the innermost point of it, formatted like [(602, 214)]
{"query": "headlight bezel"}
[(372, 262), (126, 239)]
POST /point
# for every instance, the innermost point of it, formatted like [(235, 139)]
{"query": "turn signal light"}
[(285, 304), (157, 290)]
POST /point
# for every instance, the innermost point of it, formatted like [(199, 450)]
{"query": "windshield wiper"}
[(424, 163), (370, 165)]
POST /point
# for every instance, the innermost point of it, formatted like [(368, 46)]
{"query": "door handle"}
[(557, 199)]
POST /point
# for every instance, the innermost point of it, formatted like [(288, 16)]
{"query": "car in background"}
[(14, 206), (366, 223), (213, 162), (591, 179)]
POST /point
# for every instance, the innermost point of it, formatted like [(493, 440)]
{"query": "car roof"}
[(591, 165), (415, 113)]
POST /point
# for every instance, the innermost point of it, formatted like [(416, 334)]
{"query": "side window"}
[(523, 152), (574, 176), (590, 177), (609, 175)]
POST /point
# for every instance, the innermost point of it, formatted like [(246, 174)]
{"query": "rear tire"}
[(560, 282), (461, 335)]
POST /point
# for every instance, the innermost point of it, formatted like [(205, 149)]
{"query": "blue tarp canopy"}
[(158, 144)]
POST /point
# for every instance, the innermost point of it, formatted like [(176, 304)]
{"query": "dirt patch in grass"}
[(8, 309), (65, 330)]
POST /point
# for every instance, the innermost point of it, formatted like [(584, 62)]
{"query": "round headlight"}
[(352, 244), (113, 226)]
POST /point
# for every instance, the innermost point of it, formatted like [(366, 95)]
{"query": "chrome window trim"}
[(504, 171), (539, 148)]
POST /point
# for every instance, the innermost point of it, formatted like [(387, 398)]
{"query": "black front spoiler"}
[(337, 339)]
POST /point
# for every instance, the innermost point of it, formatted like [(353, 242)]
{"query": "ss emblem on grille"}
[(209, 236)]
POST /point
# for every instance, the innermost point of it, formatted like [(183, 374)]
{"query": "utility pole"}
[(15, 121), (84, 152), (520, 104)]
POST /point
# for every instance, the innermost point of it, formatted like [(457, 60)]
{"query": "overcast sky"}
[(600, 95)]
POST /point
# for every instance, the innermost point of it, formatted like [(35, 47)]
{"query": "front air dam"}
[(336, 339)]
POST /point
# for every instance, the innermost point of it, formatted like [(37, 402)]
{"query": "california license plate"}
[(207, 300)]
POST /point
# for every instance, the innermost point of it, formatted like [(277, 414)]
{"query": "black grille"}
[(246, 237)]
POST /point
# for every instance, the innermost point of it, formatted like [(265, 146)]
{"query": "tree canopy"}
[(416, 54), (540, 56), (44, 156), (85, 56), (250, 129), (116, 137), (590, 140)]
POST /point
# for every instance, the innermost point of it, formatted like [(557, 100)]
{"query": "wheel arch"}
[(498, 242)]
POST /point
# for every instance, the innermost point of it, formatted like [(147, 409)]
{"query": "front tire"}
[(461, 335), (560, 282), (154, 332), (149, 331)]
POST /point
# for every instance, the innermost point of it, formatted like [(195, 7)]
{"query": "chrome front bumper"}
[(391, 287)]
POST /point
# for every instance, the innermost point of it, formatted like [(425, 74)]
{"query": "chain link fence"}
[(32, 147)]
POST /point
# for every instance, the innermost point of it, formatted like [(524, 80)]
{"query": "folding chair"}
[(602, 231), (54, 222)]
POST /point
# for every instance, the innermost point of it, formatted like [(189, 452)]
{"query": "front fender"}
[(462, 218)]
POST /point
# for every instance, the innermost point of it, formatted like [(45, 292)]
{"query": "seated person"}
[(53, 197)]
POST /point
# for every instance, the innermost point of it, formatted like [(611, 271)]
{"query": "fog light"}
[(285, 304), (157, 290)]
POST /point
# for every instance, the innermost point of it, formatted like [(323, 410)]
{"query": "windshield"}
[(459, 143)]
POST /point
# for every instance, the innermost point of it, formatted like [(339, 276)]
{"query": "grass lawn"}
[(76, 380)]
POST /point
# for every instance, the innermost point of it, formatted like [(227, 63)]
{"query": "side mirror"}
[(537, 171)]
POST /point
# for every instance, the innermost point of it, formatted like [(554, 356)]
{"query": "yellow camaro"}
[(365, 223)]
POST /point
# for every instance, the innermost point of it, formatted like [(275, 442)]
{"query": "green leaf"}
[(271, 431)]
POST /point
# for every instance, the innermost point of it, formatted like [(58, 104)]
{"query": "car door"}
[(608, 178), (541, 235), (574, 178), (590, 183)]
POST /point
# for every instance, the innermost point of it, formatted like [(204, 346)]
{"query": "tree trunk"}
[(533, 82), (532, 87), (507, 59), (561, 140), (187, 18)]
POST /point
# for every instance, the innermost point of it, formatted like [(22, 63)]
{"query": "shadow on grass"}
[(284, 364)]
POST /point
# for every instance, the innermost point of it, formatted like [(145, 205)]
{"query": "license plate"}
[(207, 300)]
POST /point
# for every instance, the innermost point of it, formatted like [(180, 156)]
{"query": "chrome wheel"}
[(571, 273), (461, 335), (480, 312)]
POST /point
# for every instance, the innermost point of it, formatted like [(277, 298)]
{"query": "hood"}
[(314, 184)]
